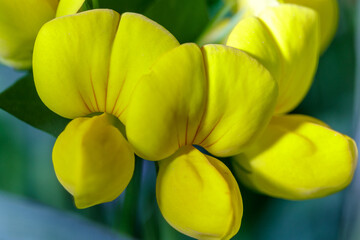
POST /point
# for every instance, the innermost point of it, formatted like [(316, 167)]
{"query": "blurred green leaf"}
[(22, 219), (121, 6), (185, 19), (12, 170), (22, 101), (331, 97)]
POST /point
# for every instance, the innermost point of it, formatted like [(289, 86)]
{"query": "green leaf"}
[(331, 97), (185, 19), (21, 219), (22, 101), (121, 6)]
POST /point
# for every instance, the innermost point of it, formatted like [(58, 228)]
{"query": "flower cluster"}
[(131, 88)]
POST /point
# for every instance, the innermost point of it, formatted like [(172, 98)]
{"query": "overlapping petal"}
[(138, 44), (203, 98), (241, 96), (198, 195), (327, 10), (88, 61), (20, 21), (167, 105), (92, 160), (296, 158), (76, 51), (285, 40)]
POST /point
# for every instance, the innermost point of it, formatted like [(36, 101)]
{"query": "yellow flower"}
[(20, 21), (297, 157), (285, 40), (198, 195), (327, 10), (216, 97), (88, 64)]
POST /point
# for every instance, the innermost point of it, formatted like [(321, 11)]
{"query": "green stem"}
[(224, 10), (125, 221), (95, 4)]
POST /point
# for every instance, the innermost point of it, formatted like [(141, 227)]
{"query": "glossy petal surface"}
[(91, 61), (290, 33), (68, 7), (240, 100), (138, 44), (92, 160), (76, 52), (254, 7), (297, 158), (328, 11), (198, 195), (203, 98), (168, 103), (20, 22)]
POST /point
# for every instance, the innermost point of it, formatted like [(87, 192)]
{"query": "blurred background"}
[(33, 204)]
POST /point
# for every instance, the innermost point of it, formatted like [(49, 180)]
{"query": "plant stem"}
[(95, 4), (224, 10), (125, 222)]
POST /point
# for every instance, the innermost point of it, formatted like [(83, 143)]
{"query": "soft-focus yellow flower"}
[(20, 21), (297, 157), (88, 64), (216, 97), (327, 10), (285, 40)]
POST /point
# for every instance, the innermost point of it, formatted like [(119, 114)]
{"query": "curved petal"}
[(198, 195), (92, 160), (139, 42), (20, 22), (291, 32), (296, 158), (68, 7), (240, 102), (254, 7), (93, 62), (71, 62), (167, 104), (328, 11)]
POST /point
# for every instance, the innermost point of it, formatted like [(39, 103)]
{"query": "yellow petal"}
[(254, 7), (20, 22), (92, 160), (167, 105), (327, 10), (290, 34), (240, 102), (198, 195), (296, 158), (89, 62), (68, 7), (138, 43), (71, 62)]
